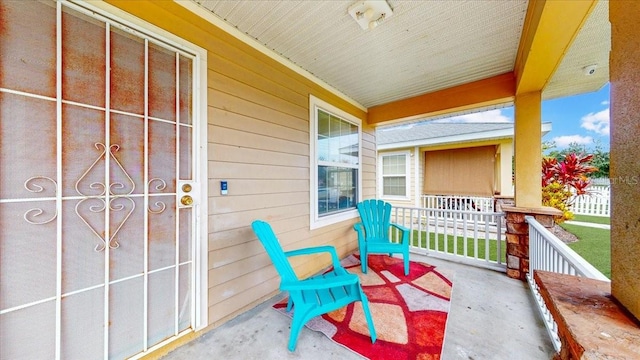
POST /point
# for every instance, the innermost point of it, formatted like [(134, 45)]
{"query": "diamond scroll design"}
[(119, 199), (96, 196)]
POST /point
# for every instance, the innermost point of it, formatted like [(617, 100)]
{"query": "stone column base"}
[(518, 236)]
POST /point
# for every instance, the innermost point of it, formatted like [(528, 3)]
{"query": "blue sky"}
[(583, 119)]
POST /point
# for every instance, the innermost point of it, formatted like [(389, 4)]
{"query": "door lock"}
[(188, 192), (186, 200)]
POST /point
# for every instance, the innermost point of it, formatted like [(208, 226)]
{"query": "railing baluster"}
[(465, 237), (427, 215), (475, 236), (436, 229), (427, 230), (487, 255), (454, 232)]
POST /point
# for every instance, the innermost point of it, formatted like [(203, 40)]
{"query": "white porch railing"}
[(596, 202), (473, 237), (547, 252), (458, 202)]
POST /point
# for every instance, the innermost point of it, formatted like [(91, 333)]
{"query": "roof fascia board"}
[(495, 90)]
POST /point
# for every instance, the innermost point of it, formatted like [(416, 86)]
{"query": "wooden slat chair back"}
[(316, 295), (374, 232)]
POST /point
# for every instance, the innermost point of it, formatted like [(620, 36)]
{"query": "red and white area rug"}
[(409, 312)]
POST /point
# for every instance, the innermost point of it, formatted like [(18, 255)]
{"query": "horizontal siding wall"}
[(258, 140)]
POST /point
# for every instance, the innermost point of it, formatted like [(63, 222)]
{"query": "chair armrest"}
[(400, 227), (318, 249), (359, 228), (321, 283), (404, 230)]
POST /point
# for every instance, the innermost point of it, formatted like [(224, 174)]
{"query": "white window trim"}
[(417, 163), (407, 167), (314, 220)]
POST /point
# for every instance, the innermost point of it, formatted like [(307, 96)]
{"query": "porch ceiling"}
[(426, 46)]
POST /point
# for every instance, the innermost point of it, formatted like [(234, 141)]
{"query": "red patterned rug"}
[(409, 312)]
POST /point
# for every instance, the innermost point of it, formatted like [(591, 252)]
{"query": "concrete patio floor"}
[(491, 317)]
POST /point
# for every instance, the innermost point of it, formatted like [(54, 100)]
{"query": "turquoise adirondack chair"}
[(374, 232), (316, 295)]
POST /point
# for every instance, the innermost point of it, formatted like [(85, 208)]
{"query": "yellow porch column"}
[(528, 150)]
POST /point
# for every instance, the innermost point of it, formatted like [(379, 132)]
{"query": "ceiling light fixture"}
[(370, 13)]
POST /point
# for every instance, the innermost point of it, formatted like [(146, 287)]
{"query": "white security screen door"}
[(97, 186)]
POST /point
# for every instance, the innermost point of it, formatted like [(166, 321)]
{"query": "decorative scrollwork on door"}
[(119, 192), (94, 197), (101, 187), (32, 216), (114, 206), (158, 206)]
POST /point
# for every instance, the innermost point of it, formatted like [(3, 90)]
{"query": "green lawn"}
[(420, 239), (594, 246), (593, 219)]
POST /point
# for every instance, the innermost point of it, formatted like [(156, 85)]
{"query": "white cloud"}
[(597, 122), (565, 140), (605, 102), (490, 116)]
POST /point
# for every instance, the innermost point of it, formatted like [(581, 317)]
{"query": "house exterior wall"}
[(412, 177), (502, 169), (258, 140), (502, 164)]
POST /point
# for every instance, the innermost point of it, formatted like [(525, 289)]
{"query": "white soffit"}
[(590, 47), (426, 45)]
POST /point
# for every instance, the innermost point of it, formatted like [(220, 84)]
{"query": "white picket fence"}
[(597, 201)]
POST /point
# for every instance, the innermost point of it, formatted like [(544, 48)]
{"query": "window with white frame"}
[(335, 163), (394, 172)]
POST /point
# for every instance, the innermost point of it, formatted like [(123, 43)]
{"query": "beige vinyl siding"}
[(369, 161), (258, 140)]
